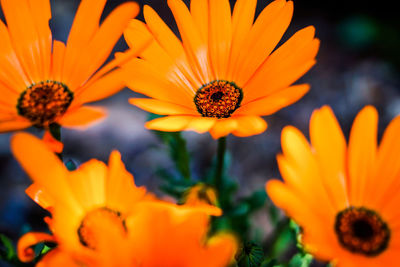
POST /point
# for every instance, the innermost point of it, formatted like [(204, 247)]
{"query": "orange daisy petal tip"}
[(207, 75), (68, 75), (328, 184)]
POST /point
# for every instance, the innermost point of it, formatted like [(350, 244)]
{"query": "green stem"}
[(220, 165), (55, 131)]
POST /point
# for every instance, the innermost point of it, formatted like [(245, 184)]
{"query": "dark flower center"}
[(362, 231), (218, 99), (42, 103)]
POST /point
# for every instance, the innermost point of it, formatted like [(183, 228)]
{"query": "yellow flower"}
[(224, 74), (345, 197), (44, 81)]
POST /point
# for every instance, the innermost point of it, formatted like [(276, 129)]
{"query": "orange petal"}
[(221, 248), (274, 102), (362, 153), (287, 64), (262, 38), (145, 79), (330, 146), (57, 257), (104, 87), (53, 144), (387, 165), (223, 127), (82, 117), (220, 36), (119, 60), (11, 72), (9, 98), (23, 26), (37, 194), (194, 44), (199, 11), (154, 54), (25, 243), (161, 107), (162, 33), (58, 60), (318, 230), (167, 52), (88, 183), (100, 46), (121, 191), (43, 167), (84, 27), (41, 15), (169, 123), (242, 21), (201, 124), (299, 168), (14, 125), (249, 125)]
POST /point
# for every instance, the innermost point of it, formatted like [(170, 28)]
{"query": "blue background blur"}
[(358, 64)]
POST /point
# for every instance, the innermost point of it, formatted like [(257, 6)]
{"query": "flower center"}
[(361, 230), (218, 99), (42, 103), (98, 225)]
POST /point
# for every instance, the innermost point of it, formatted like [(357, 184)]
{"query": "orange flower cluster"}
[(221, 76)]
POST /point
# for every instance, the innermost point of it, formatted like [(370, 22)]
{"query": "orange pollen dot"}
[(42, 103), (362, 231), (218, 99), (98, 222)]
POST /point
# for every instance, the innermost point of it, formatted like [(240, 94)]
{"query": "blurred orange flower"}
[(345, 197), (44, 81), (169, 235), (88, 205), (224, 74), (100, 218)]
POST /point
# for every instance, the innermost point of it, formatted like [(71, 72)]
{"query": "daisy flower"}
[(44, 81), (88, 206), (100, 218), (170, 235), (225, 72), (344, 196)]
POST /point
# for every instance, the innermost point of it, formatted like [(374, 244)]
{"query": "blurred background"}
[(358, 64)]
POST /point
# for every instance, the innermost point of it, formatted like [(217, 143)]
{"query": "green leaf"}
[(7, 251), (300, 260), (45, 249), (256, 200), (250, 255), (271, 263), (178, 152)]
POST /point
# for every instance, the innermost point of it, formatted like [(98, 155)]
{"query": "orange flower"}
[(171, 235), (224, 74), (158, 234), (88, 205), (100, 218), (44, 81), (345, 197)]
